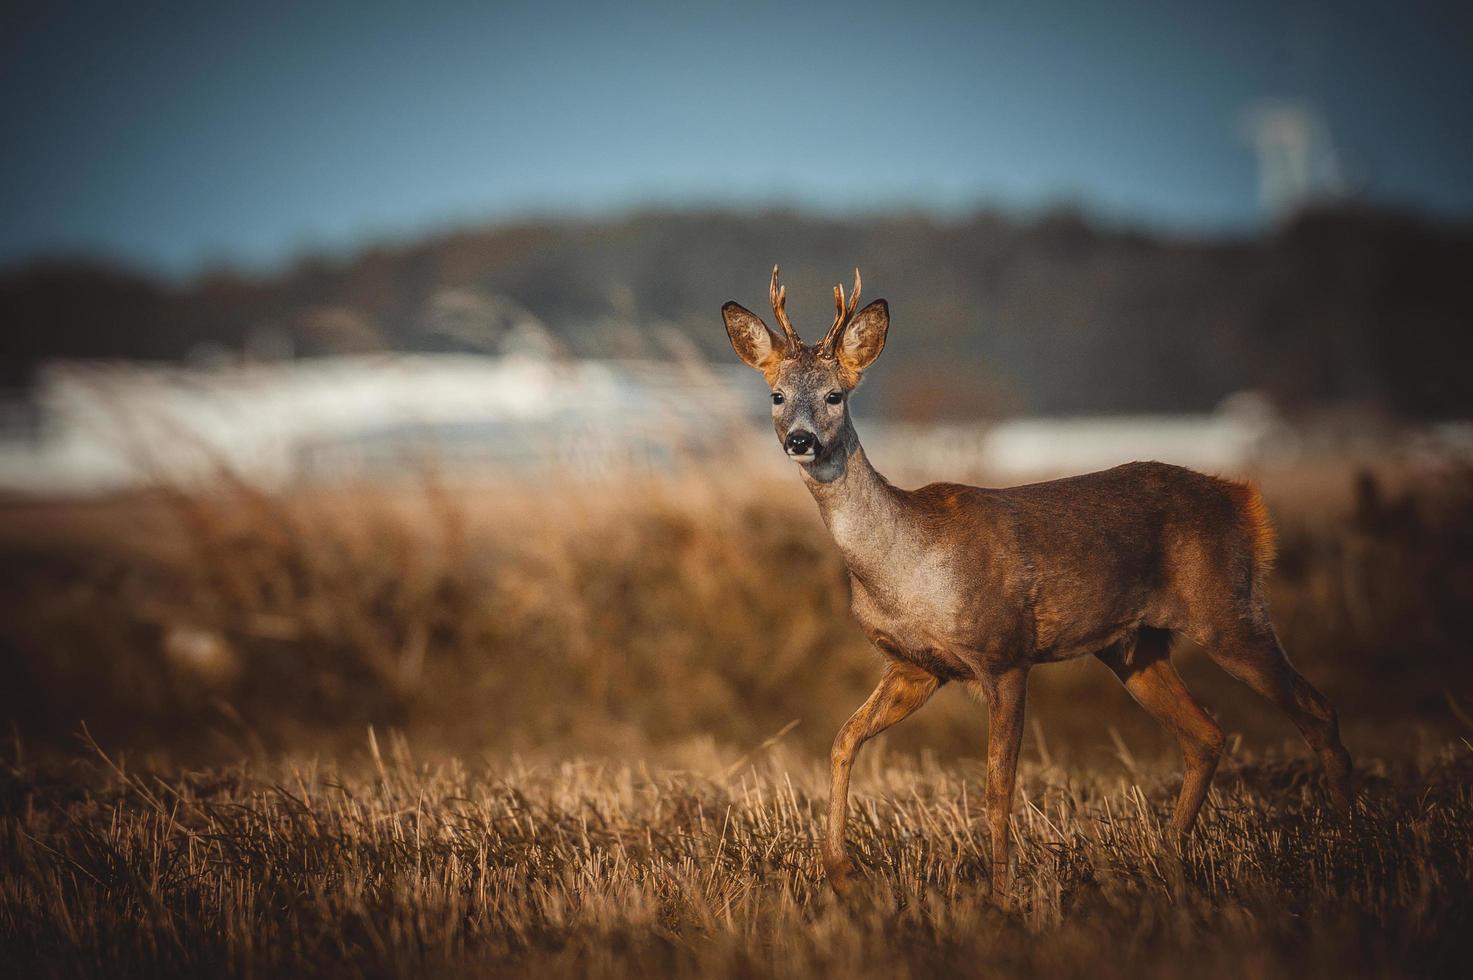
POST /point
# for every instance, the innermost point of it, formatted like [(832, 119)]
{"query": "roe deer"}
[(976, 585)]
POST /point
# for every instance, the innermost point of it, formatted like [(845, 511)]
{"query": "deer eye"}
[(777, 398), (833, 398)]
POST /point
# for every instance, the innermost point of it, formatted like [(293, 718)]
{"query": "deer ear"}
[(864, 337), (753, 341)]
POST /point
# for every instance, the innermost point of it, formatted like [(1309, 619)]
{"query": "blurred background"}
[(365, 367)]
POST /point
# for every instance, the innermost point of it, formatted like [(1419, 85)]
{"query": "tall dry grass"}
[(228, 648), (620, 618)]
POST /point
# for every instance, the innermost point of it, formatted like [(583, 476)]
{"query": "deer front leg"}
[(901, 691), (1006, 693)]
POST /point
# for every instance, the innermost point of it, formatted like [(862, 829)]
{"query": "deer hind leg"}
[(1153, 682), (901, 690), (1254, 656)]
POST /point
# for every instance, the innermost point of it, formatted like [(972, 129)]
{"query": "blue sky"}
[(249, 134)]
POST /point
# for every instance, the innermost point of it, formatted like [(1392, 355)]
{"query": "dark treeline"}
[(992, 314)]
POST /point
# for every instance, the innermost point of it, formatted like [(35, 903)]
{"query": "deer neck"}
[(857, 504)]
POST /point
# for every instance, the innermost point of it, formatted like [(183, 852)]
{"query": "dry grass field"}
[(389, 867), (598, 720)]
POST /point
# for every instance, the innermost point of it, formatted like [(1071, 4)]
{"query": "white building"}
[(110, 426), (105, 426)]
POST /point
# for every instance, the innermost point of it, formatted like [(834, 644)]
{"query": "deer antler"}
[(842, 313), (779, 309)]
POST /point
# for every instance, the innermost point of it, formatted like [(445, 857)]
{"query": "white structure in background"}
[(1297, 160), (111, 426), (1243, 430), (102, 427)]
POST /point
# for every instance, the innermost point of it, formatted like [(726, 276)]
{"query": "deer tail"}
[(1254, 519)]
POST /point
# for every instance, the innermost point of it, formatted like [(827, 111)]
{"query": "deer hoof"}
[(842, 877)]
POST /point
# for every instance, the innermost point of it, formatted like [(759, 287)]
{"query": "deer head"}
[(810, 384)]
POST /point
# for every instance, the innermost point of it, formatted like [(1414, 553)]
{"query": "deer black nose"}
[(800, 443)]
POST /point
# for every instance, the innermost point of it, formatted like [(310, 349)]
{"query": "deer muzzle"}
[(801, 444)]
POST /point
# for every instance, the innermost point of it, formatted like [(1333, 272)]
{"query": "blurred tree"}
[(993, 314)]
